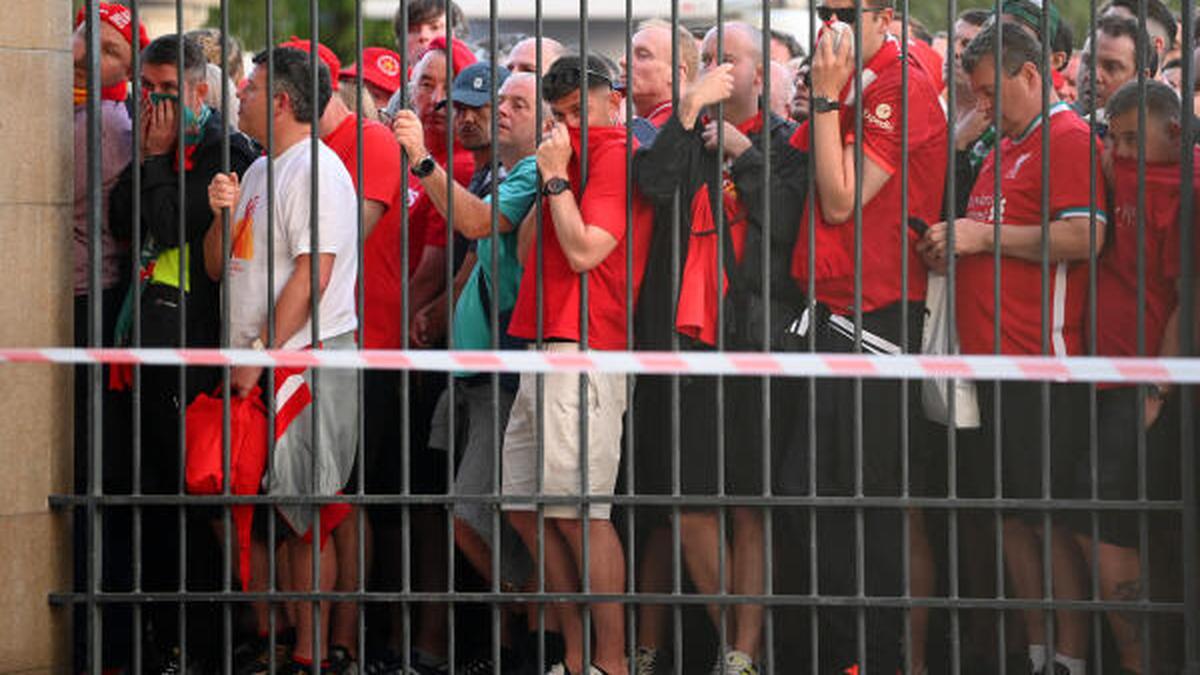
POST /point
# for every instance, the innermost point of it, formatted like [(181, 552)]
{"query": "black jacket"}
[(677, 159), (160, 223)]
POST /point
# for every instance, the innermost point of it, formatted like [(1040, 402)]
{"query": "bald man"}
[(685, 159), (523, 57), (649, 79)]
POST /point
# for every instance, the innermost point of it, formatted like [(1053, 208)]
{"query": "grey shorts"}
[(476, 448)]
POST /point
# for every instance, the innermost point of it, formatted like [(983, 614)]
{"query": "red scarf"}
[(699, 298)]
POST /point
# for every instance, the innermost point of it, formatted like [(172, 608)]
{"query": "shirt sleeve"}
[(603, 203), (517, 192), (1070, 179), (381, 165), (881, 112)]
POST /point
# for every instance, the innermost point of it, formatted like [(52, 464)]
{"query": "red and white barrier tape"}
[(1075, 369)]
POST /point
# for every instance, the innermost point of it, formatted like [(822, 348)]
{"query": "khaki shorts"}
[(562, 453)]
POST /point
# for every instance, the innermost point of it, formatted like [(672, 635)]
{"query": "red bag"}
[(247, 457)]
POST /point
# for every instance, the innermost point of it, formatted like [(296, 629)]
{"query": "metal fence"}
[(832, 589)]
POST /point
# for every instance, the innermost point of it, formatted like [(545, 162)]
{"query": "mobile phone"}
[(918, 226)]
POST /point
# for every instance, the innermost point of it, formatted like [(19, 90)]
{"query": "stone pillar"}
[(35, 310)]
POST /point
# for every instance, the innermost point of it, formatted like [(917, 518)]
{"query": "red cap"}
[(324, 53), (381, 67), (118, 17), (462, 56)]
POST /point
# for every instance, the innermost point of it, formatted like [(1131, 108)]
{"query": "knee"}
[(696, 523)]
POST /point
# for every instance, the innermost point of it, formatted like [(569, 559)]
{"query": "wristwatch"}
[(424, 167), (822, 104), (555, 186)]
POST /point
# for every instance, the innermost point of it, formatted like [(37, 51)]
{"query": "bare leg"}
[(699, 534), (607, 575), (747, 563), (300, 554), (654, 576), (560, 577), (429, 562), (1023, 560), (923, 583), (344, 631), (1069, 584)]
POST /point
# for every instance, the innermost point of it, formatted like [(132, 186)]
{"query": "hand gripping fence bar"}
[(785, 364)]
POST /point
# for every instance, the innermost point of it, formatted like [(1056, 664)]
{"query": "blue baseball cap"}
[(473, 86)]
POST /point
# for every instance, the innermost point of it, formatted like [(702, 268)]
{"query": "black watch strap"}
[(424, 167), (822, 104), (555, 186)]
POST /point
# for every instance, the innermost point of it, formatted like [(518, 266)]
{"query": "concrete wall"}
[(35, 309)]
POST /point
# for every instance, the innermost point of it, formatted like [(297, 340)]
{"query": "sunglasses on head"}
[(843, 14), (570, 78)]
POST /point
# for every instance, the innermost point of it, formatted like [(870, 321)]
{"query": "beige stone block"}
[(35, 634), (35, 421), (36, 130), (45, 24), (37, 256)]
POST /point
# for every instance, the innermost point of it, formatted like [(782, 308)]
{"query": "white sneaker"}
[(736, 663), (646, 661), (557, 669)]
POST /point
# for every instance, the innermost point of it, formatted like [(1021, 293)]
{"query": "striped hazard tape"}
[(1074, 369)]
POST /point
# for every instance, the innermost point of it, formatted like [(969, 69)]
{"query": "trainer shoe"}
[(646, 661), (735, 663)]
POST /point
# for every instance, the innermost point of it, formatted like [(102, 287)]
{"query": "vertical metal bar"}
[(272, 580), (451, 443), (494, 324), (1048, 584), (136, 288), (810, 215), (539, 379), (1187, 303), (860, 565), (675, 421), (719, 217), (181, 431), (360, 518), (226, 453), (405, 375), (905, 477), (630, 447), (95, 332), (1093, 406), (1141, 48), (998, 308), (584, 303), (767, 514), (314, 280)]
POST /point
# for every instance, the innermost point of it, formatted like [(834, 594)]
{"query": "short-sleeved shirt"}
[(882, 223), (382, 303), (603, 205), (472, 320), (1117, 279), (1021, 183), (337, 232)]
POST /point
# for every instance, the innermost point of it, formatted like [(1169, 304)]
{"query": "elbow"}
[(583, 261), (837, 214)]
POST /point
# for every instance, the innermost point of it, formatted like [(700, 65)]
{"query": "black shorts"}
[(1020, 427), (883, 418), (383, 426), (930, 456), (1118, 471)]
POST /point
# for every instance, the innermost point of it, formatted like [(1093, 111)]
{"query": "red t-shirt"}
[(601, 205), (659, 116), (382, 308), (882, 223), (1117, 278), (1021, 281)]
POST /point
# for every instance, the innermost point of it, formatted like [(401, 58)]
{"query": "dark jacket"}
[(678, 159), (160, 204)]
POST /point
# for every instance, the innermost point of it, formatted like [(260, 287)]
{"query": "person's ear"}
[(201, 90)]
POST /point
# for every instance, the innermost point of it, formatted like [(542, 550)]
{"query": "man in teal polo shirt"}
[(478, 289)]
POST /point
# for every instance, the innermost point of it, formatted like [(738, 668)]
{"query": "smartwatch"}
[(424, 167), (555, 186), (822, 104)]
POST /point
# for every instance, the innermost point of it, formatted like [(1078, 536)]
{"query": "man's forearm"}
[(837, 198), (429, 278), (292, 308), (1069, 240), (579, 243), (214, 253), (472, 216)]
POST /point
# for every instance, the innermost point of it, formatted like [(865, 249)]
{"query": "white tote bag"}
[(935, 392)]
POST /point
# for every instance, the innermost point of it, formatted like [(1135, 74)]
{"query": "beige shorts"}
[(562, 452)]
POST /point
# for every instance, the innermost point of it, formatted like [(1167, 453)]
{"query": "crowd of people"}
[(885, 211)]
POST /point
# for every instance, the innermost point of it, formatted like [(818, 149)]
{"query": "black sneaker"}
[(340, 661)]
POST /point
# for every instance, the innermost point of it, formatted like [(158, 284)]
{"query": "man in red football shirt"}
[(583, 237), (1120, 335), (1020, 320), (874, 288)]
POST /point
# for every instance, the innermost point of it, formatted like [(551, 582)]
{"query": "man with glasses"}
[(873, 290), (583, 231)]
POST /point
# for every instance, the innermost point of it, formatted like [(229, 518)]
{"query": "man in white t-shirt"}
[(294, 234)]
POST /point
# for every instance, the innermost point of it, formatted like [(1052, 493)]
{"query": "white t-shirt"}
[(337, 231)]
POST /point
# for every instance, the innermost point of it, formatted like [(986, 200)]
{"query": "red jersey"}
[(1117, 279), (882, 224), (1021, 281), (380, 182), (602, 205), (659, 116)]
